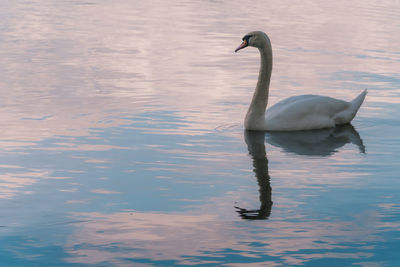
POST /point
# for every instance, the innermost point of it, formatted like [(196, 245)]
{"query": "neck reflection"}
[(256, 147)]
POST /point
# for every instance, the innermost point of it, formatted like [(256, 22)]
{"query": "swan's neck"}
[(255, 117)]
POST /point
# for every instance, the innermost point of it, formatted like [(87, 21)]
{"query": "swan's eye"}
[(247, 37)]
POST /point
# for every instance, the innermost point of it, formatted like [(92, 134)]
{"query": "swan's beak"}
[(241, 46)]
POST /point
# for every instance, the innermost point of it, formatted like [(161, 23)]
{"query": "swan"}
[(303, 112)]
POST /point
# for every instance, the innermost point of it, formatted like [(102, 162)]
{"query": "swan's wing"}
[(308, 104), (305, 112)]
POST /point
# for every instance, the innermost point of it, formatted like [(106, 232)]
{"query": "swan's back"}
[(305, 112), (304, 104)]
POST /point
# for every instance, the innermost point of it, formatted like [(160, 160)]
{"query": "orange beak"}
[(241, 46)]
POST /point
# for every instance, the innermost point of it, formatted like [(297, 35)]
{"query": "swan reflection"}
[(316, 143), (256, 147)]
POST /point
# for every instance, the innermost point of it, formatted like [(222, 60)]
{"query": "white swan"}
[(304, 112)]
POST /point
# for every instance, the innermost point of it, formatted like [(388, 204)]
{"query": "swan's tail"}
[(349, 113), (356, 103)]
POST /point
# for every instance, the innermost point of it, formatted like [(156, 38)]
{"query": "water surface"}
[(122, 144)]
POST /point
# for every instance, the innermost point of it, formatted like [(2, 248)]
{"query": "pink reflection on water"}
[(161, 236), (104, 192), (95, 63), (12, 183), (83, 147)]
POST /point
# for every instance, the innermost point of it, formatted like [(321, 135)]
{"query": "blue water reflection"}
[(120, 193)]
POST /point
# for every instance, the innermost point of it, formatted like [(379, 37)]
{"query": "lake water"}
[(122, 140)]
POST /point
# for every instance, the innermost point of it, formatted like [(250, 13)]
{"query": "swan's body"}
[(304, 112)]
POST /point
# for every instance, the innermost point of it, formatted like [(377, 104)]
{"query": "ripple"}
[(229, 127)]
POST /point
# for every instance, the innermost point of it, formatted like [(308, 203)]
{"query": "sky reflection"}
[(282, 241)]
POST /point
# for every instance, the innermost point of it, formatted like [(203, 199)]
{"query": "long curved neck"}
[(256, 114)]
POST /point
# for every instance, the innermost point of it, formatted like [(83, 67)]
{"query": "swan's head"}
[(256, 39)]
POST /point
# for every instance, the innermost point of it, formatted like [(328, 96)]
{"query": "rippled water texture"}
[(121, 137)]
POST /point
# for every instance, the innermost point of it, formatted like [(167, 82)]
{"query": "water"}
[(122, 141)]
